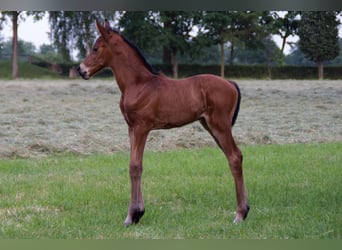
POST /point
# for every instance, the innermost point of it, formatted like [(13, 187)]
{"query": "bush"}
[(235, 71), (253, 71)]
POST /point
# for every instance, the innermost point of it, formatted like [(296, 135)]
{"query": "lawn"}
[(295, 191), (43, 117), (26, 70)]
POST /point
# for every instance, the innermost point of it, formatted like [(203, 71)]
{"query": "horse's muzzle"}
[(83, 73)]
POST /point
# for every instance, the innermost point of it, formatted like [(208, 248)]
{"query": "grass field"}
[(64, 165), (295, 191), (42, 117)]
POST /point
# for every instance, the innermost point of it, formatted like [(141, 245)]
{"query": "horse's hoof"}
[(128, 221), (240, 217), (137, 214)]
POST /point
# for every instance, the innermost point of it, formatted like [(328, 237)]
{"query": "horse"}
[(150, 101)]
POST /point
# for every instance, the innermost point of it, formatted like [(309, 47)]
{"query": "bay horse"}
[(150, 101)]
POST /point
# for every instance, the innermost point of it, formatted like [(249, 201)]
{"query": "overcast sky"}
[(30, 31), (37, 33)]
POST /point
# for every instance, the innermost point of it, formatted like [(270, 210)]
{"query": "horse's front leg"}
[(136, 209)]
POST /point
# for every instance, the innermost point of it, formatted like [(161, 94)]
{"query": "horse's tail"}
[(237, 108)]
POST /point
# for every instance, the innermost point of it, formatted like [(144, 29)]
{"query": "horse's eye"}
[(95, 49)]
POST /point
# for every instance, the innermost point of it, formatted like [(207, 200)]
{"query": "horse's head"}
[(100, 55)]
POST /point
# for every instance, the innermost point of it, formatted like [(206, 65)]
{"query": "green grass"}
[(295, 191), (26, 70)]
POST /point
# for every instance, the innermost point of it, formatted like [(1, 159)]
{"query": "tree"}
[(249, 28), (176, 29), (318, 33), (169, 31), (12, 49), (338, 59), (84, 28), (15, 16), (297, 58), (268, 54), (218, 29), (1, 46), (239, 28), (142, 28), (24, 49), (61, 28), (48, 52), (286, 26), (2, 19), (47, 49), (75, 30)]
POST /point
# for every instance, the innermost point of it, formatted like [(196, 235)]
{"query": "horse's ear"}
[(107, 25), (103, 30)]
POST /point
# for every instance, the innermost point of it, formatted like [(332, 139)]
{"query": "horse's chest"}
[(135, 109)]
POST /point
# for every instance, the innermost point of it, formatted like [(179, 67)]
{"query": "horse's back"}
[(216, 87)]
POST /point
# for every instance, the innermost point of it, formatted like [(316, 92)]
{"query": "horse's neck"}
[(128, 69)]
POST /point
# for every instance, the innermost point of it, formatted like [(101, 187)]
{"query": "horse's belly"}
[(176, 117)]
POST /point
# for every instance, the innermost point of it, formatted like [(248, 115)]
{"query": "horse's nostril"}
[(80, 71)]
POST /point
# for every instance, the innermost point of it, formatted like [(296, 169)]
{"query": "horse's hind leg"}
[(221, 131)]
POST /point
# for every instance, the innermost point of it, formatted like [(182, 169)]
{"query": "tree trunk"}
[(88, 42), (174, 63), (166, 55), (222, 59), (269, 73), (231, 58), (320, 70), (283, 44), (15, 15)]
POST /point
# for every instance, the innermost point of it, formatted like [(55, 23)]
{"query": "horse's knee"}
[(135, 169)]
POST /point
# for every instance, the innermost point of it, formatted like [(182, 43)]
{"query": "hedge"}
[(235, 71), (254, 71)]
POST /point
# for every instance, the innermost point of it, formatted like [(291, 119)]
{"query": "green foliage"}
[(61, 30), (142, 28), (40, 70), (297, 58), (177, 27), (24, 49), (74, 29), (217, 24), (48, 52), (294, 192), (253, 72), (166, 31), (318, 32), (26, 70), (286, 26), (239, 28), (162, 35), (338, 59), (15, 16), (268, 53)]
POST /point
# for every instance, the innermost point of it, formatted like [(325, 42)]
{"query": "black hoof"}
[(137, 214), (246, 212)]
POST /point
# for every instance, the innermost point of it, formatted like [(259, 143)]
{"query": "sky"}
[(30, 31), (37, 33)]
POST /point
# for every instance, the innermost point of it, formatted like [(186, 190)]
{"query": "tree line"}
[(169, 34)]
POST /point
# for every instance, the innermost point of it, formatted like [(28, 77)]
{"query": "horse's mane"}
[(140, 55)]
